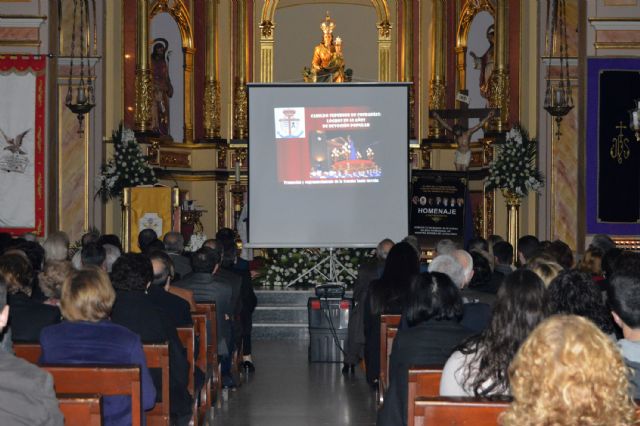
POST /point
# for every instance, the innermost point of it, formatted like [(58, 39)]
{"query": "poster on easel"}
[(437, 206)]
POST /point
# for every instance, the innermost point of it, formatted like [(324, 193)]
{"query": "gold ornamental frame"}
[(467, 15), (267, 28), (182, 17)]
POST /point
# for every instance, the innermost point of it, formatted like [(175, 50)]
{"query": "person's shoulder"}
[(14, 370)]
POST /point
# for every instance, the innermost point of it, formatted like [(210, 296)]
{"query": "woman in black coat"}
[(388, 295)]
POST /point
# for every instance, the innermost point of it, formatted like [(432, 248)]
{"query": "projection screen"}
[(328, 164)]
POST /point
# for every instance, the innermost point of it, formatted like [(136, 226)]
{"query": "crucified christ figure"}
[(462, 137)]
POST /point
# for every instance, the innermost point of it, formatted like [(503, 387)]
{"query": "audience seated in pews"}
[(484, 283), (479, 366), (28, 316), (568, 372), (433, 314), (475, 315), (367, 272), (209, 286), (573, 292), (545, 267), (387, 295), (26, 391), (503, 257), (94, 254), (528, 246), (51, 278), (89, 237), (561, 252), (624, 299), (174, 246), (132, 274), (178, 309), (225, 277), (56, 247), (234, 263), (88, 337)]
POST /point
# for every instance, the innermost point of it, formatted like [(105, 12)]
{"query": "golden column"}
[(384, 51), (211, 100), (499, 84), (266, 51), (437, 86), (143, 72), (241, 61), (406, 63)]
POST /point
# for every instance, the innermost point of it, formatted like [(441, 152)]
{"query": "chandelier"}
[(558, 99), (80, 99)]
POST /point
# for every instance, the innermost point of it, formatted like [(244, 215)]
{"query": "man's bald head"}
[(466, 261)]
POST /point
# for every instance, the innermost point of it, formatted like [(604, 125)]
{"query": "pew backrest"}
[(456, 411), (157, 356), (81, 409), (424, 381), (388, 330), (106, 380)]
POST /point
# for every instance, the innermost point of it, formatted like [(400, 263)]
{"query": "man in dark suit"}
[(208, 286), (174, 246), (131, 276), (177, 308), (367, 272), (239, 266)]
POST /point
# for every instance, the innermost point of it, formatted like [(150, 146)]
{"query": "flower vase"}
[(513, 218)]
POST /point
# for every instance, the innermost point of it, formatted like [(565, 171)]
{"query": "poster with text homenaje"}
[(22, 102), (437, 206)]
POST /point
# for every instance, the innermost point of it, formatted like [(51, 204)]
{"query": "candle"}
[(558, 97), (237, 174)]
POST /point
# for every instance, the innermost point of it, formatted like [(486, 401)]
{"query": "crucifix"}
[(461, 134)]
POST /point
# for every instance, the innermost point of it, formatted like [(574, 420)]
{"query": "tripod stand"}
[(335, 268)]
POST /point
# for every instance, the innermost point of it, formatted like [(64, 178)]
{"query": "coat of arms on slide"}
[(289, 123), (16, 160)]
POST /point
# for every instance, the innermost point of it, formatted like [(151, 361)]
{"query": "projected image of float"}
[(342, 157)]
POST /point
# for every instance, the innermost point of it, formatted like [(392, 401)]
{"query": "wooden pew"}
[(424, 381), (156, 355), (456, 411), (204, 397), (209, 310), (388, 329), (81, 410), (102, 379), (187, 336)]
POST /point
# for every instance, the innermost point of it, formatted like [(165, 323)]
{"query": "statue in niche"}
[(327, 65), (162, 88), (485, 63)]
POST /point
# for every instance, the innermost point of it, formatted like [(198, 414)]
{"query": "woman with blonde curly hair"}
[(568, 372)]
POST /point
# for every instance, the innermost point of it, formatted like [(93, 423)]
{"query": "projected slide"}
[(328, 164), (324, 145)]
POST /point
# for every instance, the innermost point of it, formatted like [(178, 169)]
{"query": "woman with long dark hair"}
[(433, 316), (387, 295), (479, 367)]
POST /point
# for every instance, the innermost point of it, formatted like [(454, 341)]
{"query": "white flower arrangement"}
[(195, 242), (285, 265), (515, 169), (127, 168)]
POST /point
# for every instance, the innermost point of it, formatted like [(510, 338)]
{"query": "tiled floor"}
[(288, 390)]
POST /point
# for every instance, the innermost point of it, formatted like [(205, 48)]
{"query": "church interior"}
[(215, 48), (159, 90)]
